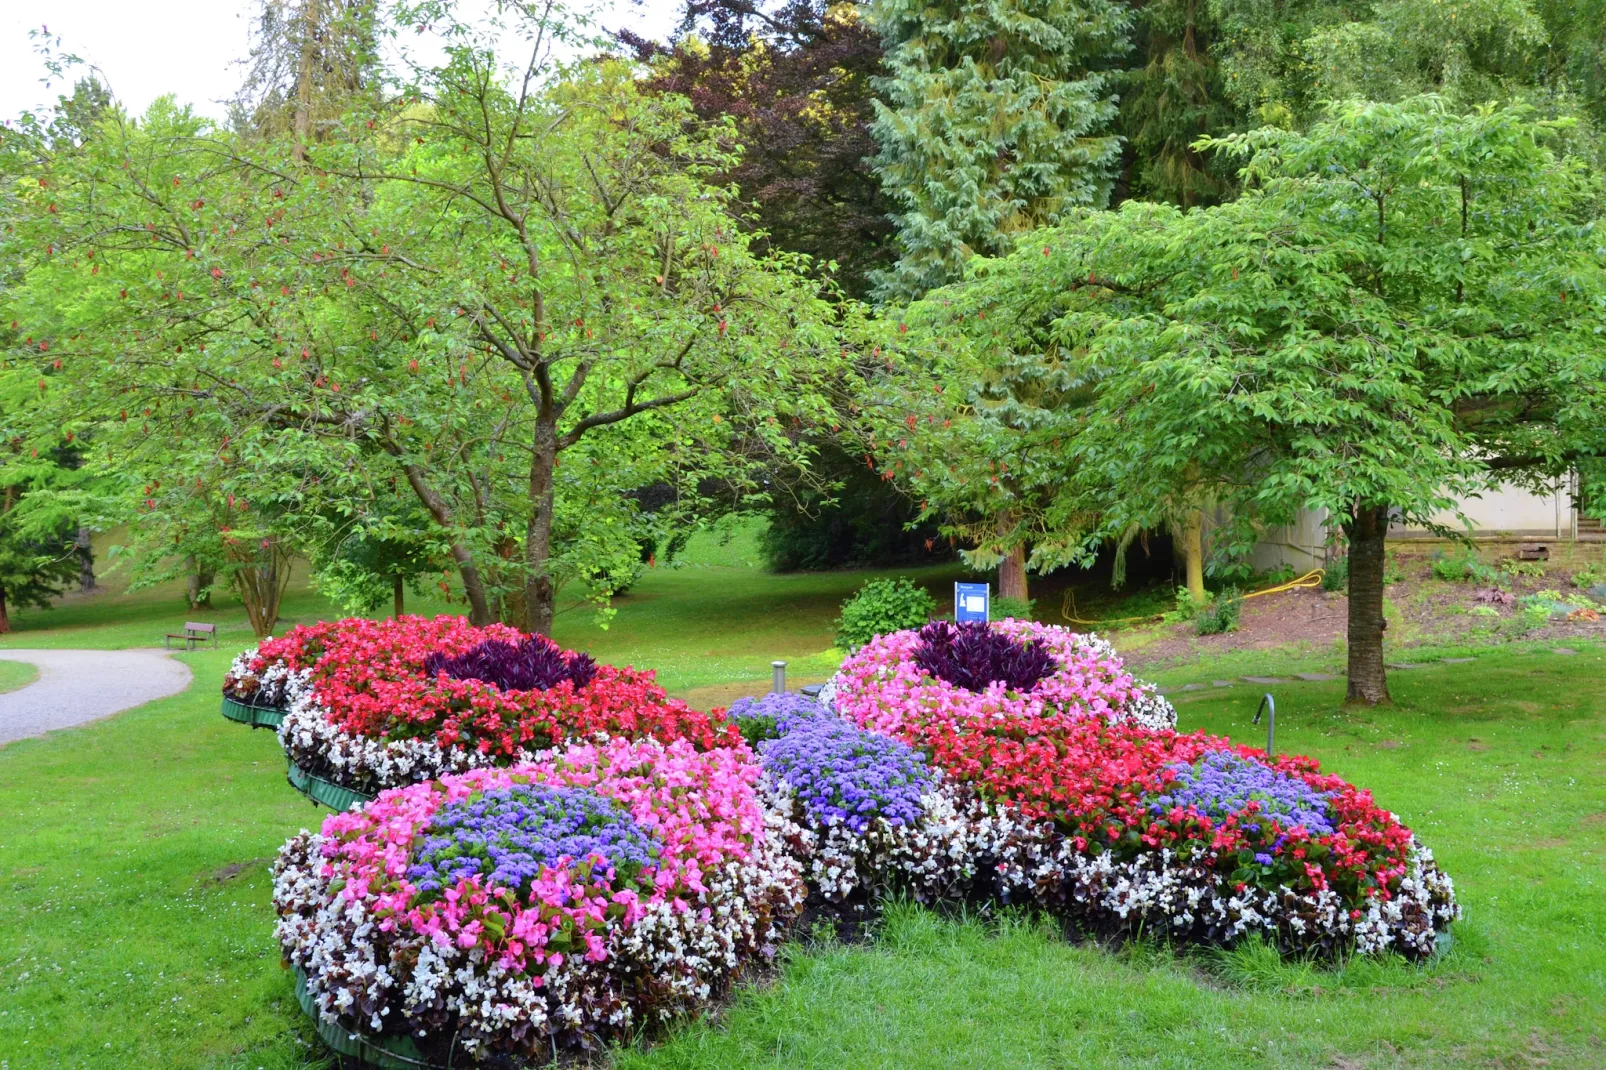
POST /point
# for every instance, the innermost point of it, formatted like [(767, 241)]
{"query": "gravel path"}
[(76, 686)]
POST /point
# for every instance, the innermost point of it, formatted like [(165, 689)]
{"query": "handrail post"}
[(1268, 703)]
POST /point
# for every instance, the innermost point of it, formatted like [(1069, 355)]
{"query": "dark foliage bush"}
[(973, 655), (536, 664), (862, 520)]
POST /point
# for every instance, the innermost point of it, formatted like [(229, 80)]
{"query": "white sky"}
[(189, 48)]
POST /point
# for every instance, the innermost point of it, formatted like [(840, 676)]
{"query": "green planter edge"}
[(388, 1053), (323, 792), (255, 716)]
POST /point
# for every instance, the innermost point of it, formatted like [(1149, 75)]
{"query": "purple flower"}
[(973, 655), (1222, 784), (509, 835), (1263, 858), (842, 773), (536, 664), (772, 715)]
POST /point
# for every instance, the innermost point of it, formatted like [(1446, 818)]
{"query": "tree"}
[(519, 302), (1282, 62), (309, 59), (1403, 305), (796, 81), (38, 558), (997, 120), (1171, 99)]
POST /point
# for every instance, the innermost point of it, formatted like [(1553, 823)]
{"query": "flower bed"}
[(1066, 786), (377, 704), (565, 901), (891, 681)]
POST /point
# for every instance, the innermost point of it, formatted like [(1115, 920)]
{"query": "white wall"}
[(1501, 510), (1513, 510)]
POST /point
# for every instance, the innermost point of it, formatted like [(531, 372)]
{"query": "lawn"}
[(15, 674), (136, 928)]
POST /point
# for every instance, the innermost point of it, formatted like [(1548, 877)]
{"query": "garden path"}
[(77, 686)]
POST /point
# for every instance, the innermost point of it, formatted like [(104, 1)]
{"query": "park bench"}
[(193, 633)]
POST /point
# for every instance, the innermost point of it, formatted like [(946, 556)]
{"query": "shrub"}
[(882, 607), (1588, 576), (1004, 608), (1452, 568), (1335, 576), (1280, 575), (1221, 614)]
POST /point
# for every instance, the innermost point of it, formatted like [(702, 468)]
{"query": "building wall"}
[(1501, 510), (1507, 510)]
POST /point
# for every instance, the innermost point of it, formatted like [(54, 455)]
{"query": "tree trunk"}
[(5, 618), (198, 584), (479, 607), (84, 547), (540, 596), (1367, 531), (398, 594), (1012, 569), (1193, 554), (262, 583)]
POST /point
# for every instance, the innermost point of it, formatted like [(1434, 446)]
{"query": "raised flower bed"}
[(606, 866), (1011, 668), (560, 903), (378, 704), (1066, 785)]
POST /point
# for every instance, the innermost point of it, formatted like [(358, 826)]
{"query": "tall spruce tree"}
[(997, 119)]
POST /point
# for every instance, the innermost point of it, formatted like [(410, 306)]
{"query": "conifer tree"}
[(997, 119)]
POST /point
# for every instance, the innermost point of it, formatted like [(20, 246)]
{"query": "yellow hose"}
[(1313, 578)]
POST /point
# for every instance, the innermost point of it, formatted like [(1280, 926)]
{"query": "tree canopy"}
[(1403, 302)]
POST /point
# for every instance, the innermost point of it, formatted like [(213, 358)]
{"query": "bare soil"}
[(1421, 608)]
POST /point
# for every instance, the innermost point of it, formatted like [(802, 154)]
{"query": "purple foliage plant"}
[(972, 655), (536, 664)]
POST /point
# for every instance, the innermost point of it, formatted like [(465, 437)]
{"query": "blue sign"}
[(972, 601)]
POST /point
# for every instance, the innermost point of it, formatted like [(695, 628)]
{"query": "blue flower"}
[(510, 835), (1222, 784), (842, 773), (772, 715)]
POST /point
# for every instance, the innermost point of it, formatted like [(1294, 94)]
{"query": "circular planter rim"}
[(324, 792), (252, 714), (388, 1053)]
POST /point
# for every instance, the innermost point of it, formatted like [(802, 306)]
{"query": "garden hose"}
[(1313, 578)]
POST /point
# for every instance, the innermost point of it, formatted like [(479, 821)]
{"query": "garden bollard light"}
[(779, 686)]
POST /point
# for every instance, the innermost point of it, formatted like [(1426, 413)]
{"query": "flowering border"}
[(361, 712), (882, 688), (583, 958)]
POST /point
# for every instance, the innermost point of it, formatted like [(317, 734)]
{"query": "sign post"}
[(972, 601)]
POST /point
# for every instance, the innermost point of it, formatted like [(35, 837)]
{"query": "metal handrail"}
[(1268, 703)]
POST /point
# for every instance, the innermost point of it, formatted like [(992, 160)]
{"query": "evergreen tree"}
[(1173, 98), (997, 119)]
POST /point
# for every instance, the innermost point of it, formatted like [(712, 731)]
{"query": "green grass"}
[(136, 928), (15, 674), (711, 618)]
